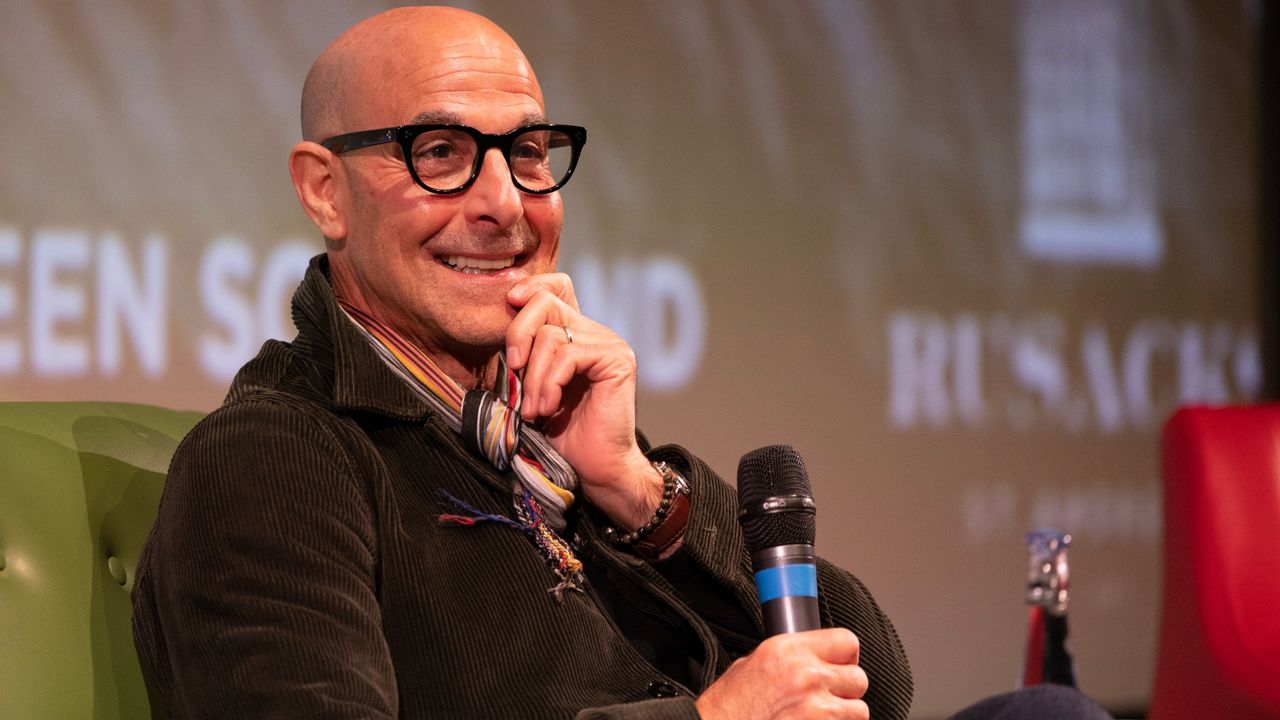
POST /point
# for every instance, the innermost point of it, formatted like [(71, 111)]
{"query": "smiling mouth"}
[(478, 266)]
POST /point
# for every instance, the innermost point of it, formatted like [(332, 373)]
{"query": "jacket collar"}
[(361, 380)]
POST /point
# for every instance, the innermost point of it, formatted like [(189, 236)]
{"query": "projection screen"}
[(965, 256)]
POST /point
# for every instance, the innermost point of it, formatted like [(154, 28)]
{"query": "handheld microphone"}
[(776, 511)]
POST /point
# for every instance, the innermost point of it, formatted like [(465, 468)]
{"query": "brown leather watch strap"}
[(669, 532)]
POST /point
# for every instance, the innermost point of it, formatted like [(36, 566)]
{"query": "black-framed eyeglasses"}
[(446, 159)]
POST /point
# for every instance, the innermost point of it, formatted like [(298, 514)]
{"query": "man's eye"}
[(529, 151), (437, 151)]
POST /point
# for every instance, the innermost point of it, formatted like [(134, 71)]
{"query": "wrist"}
[(630, 503), (663, 532)]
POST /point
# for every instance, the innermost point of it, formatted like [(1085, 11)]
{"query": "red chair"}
[(1219, 647)]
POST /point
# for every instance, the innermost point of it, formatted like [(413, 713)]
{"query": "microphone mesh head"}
[(769, 472)]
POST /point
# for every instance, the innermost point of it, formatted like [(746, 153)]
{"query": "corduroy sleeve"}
[(256, 590), (714, 545)]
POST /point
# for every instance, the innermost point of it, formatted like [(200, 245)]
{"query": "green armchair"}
[(79, 485)]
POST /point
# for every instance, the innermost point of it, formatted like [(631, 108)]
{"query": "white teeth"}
[(460, 262)]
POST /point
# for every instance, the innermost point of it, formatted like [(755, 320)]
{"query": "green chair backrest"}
[(79, 486)]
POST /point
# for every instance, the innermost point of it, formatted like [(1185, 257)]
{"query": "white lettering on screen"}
[(63, 334), (124, 302), (224, 275), (10, 345), (971, 372), (656, 305), (246, 299), (280, 277), (76, 303), (1105, 509), (58, 302)]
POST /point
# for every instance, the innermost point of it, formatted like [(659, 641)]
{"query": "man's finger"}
[(540, 309), (547, 340), (850, 682), (836, 645), (558, 284)]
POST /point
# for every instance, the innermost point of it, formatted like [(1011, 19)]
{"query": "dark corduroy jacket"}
[(297, 567)]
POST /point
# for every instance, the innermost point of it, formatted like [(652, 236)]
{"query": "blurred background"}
[(966, 256)]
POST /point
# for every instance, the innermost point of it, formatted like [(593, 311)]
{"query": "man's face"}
[(421, 262)]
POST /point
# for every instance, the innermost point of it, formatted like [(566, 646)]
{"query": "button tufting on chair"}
[(81, 482)]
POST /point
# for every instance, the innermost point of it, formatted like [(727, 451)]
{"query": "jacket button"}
[(662, 689)]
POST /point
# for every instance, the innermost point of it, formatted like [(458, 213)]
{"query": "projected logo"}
[(1088, 198), (1086, 141)]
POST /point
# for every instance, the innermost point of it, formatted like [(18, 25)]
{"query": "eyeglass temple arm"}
[(357, 140)]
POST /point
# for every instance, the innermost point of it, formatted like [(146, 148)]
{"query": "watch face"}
[(669, 473)]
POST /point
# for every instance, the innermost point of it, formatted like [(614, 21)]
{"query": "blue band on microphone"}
[(787, 580)]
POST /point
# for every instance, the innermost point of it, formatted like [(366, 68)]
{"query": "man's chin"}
[(485, 336)]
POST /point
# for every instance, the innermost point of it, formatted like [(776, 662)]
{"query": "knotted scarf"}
[(490, 423)]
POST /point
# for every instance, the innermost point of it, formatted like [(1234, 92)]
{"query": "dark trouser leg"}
[(1040, 702)]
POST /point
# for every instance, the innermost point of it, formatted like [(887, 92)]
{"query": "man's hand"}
[(812, 674), (585, 392)]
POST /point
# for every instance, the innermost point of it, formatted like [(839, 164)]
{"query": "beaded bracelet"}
[(668, 521)]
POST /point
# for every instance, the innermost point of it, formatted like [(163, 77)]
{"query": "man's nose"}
[(493, 197)]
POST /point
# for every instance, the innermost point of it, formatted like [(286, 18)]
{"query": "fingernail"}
[(513, 356)]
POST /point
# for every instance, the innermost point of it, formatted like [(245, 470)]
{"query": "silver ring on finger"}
[(567, 333)]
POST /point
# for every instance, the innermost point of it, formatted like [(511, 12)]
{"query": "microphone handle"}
[(787, 586)]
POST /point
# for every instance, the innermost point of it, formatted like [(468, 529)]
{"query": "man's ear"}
[(313, 180)]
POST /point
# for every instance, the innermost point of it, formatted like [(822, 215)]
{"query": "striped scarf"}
[(491, 425)]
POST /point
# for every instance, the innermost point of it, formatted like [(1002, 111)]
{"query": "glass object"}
[(1048, 578)]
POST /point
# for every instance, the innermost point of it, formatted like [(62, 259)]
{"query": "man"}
[(359, 532)]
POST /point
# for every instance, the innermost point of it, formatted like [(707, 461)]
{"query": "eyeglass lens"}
[(539, 159)]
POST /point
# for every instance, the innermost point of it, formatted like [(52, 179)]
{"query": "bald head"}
[(394, 47)]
